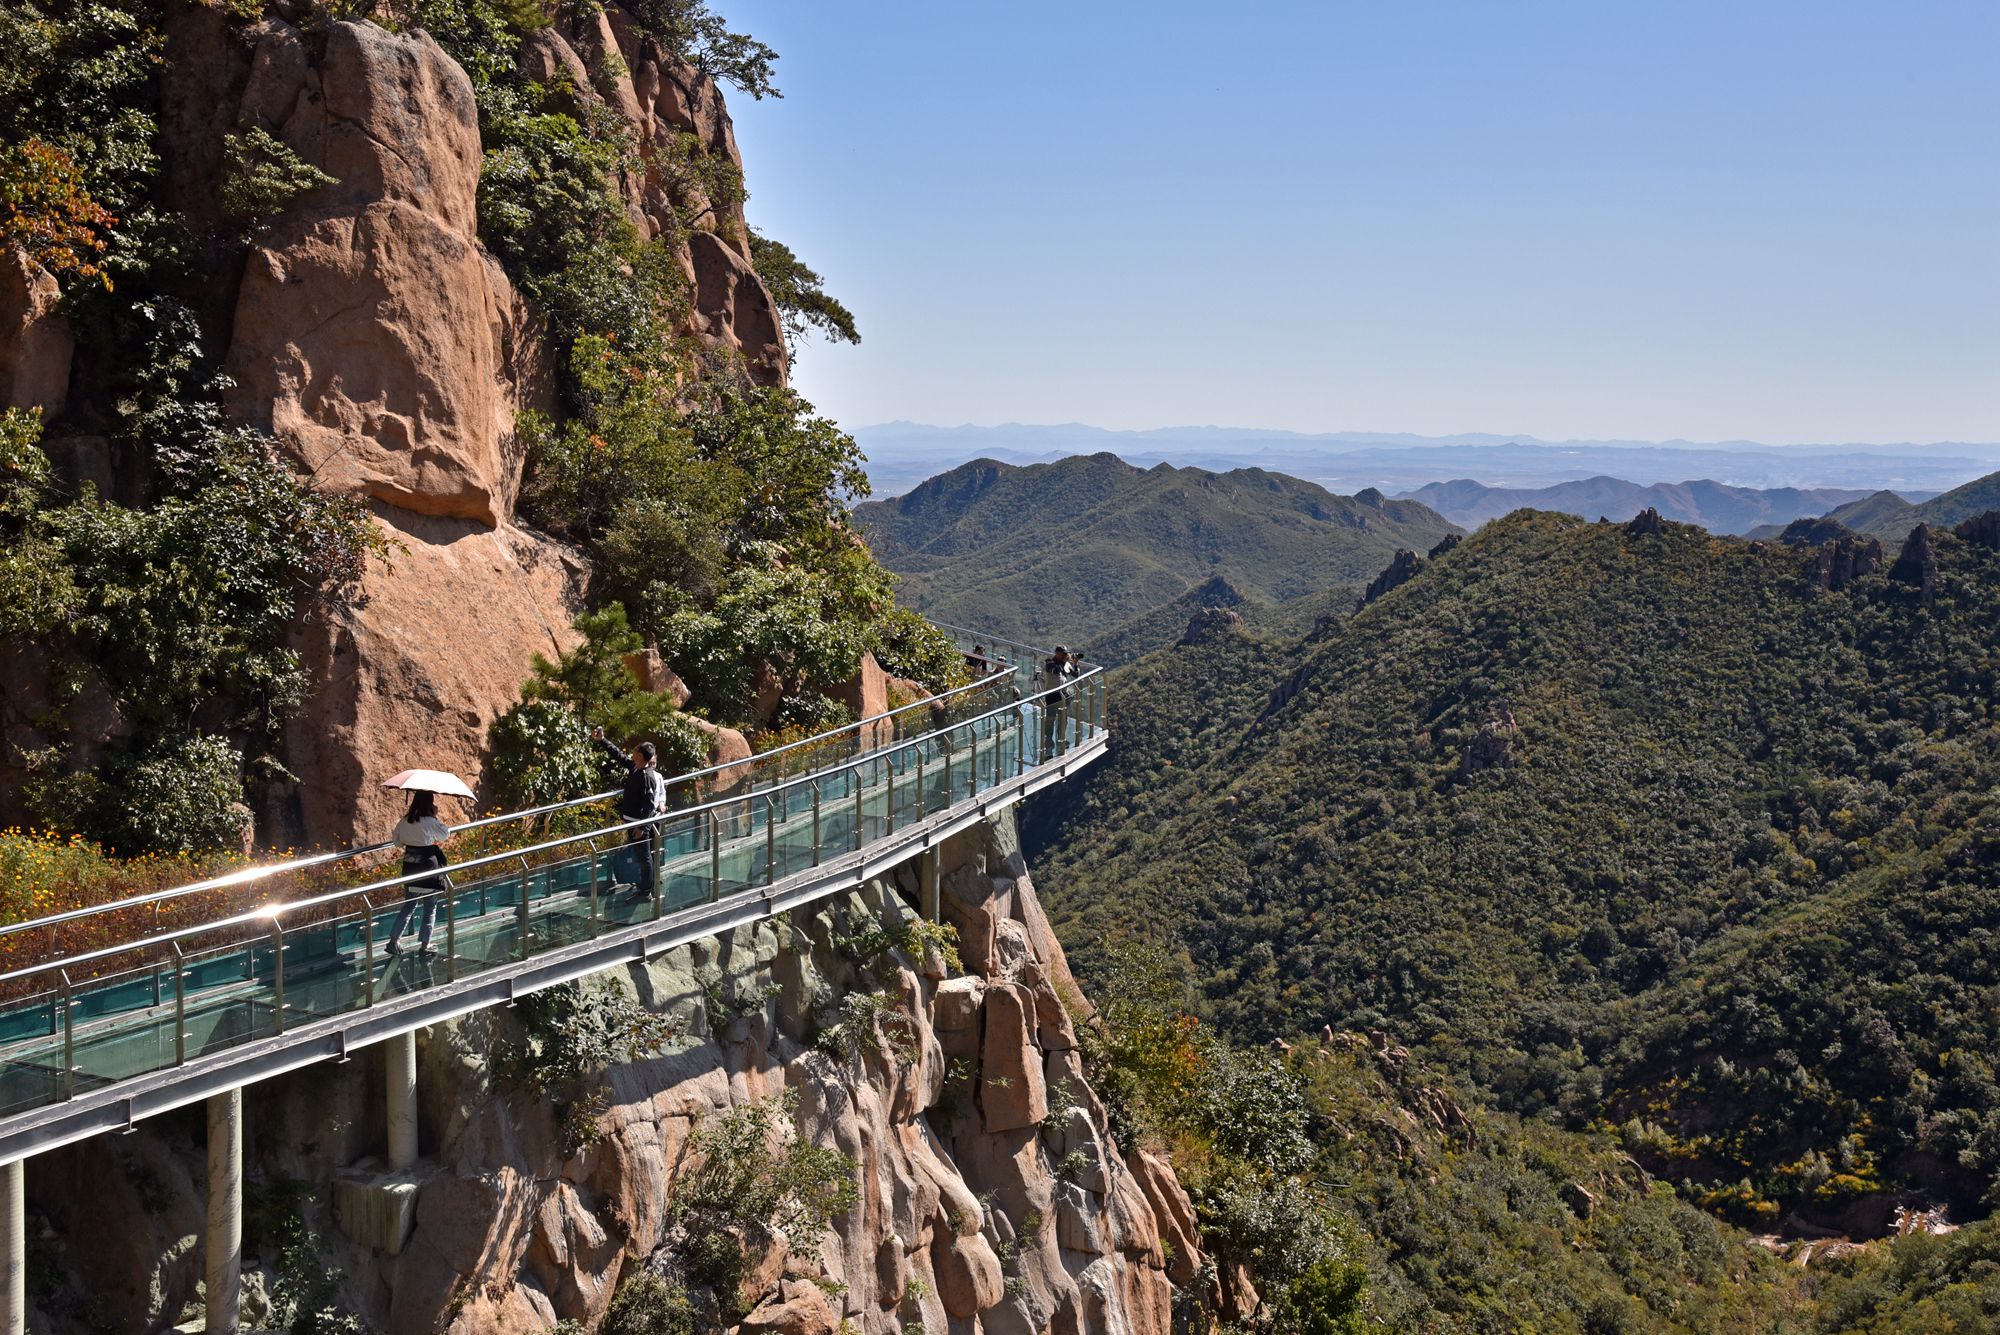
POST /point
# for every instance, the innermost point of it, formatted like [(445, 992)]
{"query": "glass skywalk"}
[(187, 975)]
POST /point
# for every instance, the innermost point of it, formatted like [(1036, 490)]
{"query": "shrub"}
[(262, 175), (185, 801), (646, 1304), (46, 210), (908, 645), (541, 747), (753, 1177)]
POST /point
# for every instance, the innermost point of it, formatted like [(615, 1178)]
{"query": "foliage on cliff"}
[(161, 612), (1634, 832)]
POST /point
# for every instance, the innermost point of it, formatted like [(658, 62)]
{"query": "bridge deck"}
[(224, 1003)]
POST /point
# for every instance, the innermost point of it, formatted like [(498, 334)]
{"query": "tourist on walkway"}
[(422, 836), (644, 794), (1059, 679)]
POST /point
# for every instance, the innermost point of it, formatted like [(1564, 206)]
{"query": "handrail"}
[(247, 875), (270, 913)]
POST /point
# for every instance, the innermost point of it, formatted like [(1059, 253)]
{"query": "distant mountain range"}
[(1083, 549), (902, 454), (1715, 506)]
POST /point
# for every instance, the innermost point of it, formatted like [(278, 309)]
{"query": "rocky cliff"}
[(371, 333), (991, 1196)]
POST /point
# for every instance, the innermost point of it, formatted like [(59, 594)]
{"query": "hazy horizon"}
[(1701, 222)]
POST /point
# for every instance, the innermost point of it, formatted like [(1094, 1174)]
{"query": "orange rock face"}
[(374, 337), (35, 343), (413, 675)]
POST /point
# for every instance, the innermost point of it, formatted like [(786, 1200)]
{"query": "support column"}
[(13, 1250), (927, 870), (402, 1054), (225, 1210)]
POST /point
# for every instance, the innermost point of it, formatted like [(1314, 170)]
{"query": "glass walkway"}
[(102, 998)]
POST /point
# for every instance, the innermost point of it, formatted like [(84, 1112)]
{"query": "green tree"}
[(800, 293)]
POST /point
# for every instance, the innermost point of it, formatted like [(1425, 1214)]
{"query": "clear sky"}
[(1766, 219)]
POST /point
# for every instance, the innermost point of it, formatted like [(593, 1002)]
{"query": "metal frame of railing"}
[(269, 916), (860, 728)]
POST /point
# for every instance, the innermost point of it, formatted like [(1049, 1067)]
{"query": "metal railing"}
[(138, 1005), (255, 887)]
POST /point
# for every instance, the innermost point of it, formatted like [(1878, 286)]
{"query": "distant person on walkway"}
[(422, 836), (644, 794), (1059, 679)]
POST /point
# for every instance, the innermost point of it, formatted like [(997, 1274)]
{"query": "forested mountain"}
[(1715, 506), (1888, 516), (1077, 549), (1633, 827)]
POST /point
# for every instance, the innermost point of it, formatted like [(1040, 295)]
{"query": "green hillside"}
[(1642, 833), (1888, 516), (1081, 548)]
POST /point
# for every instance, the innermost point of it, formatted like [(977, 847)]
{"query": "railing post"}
[(860, 815), (450, 909), (68, 1002), (1021, 737), (278, 974), (949, 795), (889, 805), (815, 788), (770, 840), (593, 890), (923, 794), (367, 952), (714, 857), (181, 1006), (521, 910)]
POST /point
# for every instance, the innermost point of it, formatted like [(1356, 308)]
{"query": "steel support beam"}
[(13, 1249), (224, 1252), (401, 1055)]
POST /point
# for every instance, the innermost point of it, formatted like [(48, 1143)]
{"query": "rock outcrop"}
[(412, 675), (1646, 524), (1916, 564), (1841, 561), (992, 1195), (1213, 623), (387, 352), (1981, 530), (672, 108), (35, 343), (1401, 570), (374, 337)]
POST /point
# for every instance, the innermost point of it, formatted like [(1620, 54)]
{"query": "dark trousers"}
[(644, 840)]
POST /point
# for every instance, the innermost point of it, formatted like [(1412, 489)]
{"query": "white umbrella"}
[(429, 781)]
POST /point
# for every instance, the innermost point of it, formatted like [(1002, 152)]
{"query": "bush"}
[(908, 645), (185, 801), (262, 175), (541, 747), (753, 1177), (646, 1304)]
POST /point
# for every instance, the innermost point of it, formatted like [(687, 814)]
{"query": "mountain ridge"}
[(1715, 506), (1073, 550)]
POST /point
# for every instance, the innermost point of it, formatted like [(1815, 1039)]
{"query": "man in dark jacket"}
[(1059, 680), (644, 794)]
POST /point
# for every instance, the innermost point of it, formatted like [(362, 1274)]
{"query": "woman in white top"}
[(422, 836)]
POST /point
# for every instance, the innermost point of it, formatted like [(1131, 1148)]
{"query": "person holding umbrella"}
[(422, 837), (644, 794)]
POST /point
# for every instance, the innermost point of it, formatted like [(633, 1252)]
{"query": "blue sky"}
[(1761, 219)]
